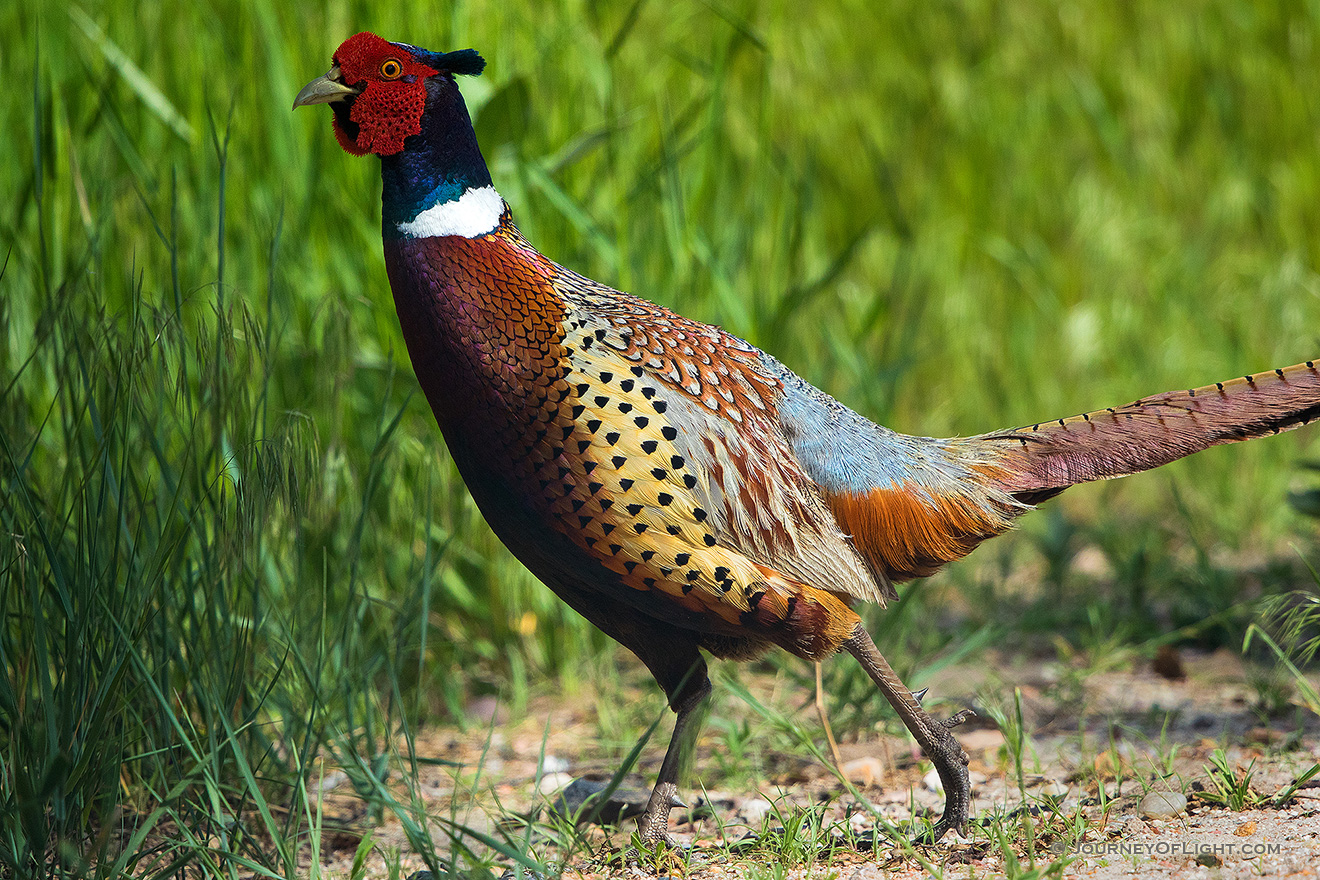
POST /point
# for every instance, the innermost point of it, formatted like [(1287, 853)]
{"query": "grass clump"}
[(232, 544), (1230, 786)]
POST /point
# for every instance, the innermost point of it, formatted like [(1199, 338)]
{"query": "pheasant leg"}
[(690, 703), (933, 736)]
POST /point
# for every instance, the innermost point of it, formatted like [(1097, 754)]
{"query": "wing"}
[(717, 509)]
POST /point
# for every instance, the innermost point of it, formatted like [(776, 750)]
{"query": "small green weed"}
[(1018, 840), (1230, 787)]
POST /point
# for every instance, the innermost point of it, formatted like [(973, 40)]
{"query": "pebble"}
[(555, 764), (1054, 790), (861, 822), (624, 803), (552, 782), (332, 780), (987, 740), (754, 810), (932, 781), (869, 872), (1132, 826), (1163, 804), (865, 771)]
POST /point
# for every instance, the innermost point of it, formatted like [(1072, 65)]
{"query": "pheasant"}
[(680, 489)]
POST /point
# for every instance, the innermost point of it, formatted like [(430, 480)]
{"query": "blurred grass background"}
[(232, 539)]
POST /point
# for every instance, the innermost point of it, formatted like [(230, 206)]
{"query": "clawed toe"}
[(658, 852), (957, 808), (932, 837), (958, 718)]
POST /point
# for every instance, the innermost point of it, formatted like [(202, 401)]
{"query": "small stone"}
[(486, 709), (623, 804), (1168, 663), (1131, 827), (1163, 804), (1054, 790), (332, 780), (865, 771), (869, 872), (554, 764), (552, 782), (861, 822), (754, 810), (932, 780), (1208, 859), (984, 740)]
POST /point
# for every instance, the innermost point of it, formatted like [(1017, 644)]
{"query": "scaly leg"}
[(690, 701), (933, 736), (674, 659)]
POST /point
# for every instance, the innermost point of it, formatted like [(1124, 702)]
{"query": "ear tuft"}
[(463, 62)]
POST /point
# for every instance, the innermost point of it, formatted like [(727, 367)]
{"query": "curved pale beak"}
[(325, 89)]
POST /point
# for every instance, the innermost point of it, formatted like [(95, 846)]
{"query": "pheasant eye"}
[(391, 69)]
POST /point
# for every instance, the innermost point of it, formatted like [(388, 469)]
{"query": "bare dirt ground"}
[(1124, 755)]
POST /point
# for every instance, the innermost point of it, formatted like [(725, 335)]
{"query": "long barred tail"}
[(1039, 461)]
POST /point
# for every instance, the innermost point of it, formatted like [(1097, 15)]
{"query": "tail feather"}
[(1039, 461)]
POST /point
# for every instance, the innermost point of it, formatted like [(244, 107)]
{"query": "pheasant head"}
[(402, 104)]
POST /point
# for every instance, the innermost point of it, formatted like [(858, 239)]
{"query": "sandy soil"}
[(1126, 754)]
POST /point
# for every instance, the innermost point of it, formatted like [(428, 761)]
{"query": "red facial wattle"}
[(389, 108)]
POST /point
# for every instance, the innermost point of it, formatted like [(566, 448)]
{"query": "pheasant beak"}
[(325, 89)]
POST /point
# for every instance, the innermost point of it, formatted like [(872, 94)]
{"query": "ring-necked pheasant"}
[(680, 489)]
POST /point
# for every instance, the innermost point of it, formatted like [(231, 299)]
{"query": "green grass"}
[(1231, 786), (232, 541)]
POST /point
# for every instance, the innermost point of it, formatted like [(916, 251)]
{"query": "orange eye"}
[(391, 69)]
